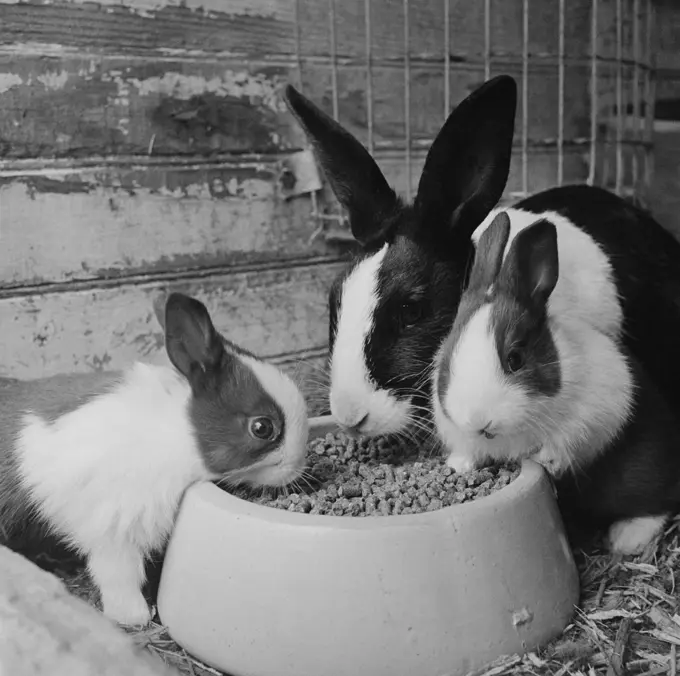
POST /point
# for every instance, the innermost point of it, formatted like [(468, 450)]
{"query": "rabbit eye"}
[(262, 428), (411, 312), (515, 360)]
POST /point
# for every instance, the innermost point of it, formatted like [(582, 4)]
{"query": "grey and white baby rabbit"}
[(104, 459), (524, 373)]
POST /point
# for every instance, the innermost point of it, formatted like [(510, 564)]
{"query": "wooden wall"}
[(143, 147), (665, 193)]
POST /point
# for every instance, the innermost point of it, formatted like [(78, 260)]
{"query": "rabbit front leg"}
[(461, 464), (547, 457), (117, 568), (631, 536)]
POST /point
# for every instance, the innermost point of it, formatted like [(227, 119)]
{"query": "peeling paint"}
[(115, 223), (180, 86), (254, 180), (276, 311), (43, 49), (142, 109), (9, 80), (60, 184), (53, 80), (149, 8)]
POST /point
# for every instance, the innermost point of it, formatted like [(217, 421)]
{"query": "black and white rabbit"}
[(396, 301), (522, 374), (104, 459)]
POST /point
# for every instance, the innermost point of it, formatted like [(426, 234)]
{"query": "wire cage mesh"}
[(394, 69)]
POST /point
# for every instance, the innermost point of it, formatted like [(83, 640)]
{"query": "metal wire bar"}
[(650, 96), (298, 57), (637, 117), (315, 215), (407, 98), (619, 98), (593, 93), (447, 59), (334, 61), (422, 145), (538, 60), (369, 74), (525, 96), (487, 39), (560, 102)]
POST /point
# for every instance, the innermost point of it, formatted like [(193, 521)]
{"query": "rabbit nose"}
[(485, 431)]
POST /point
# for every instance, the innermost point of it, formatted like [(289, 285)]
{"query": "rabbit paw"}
[(554, 463), (461, 464), (118, 571), (631, 536), (129, 609)]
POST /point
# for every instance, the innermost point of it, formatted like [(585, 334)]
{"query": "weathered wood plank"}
[(104, 222), (108, 222), (133, 106), (270, 311), (665, 190), (118, 221), (268, 27), (667, 34), (664, 194), (107, 106)]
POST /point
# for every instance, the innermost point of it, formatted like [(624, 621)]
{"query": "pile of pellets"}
[(378, 477)]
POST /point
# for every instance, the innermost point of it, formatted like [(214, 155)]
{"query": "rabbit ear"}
[(489, 253), (531, 268), (467, 167), (352, 173), (192, 343)]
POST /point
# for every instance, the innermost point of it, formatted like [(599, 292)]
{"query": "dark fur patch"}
[(646, 268), (221, 409), (418, 293), (519, 314), (638, 475), (468, 306), (54, 397), (515, 325)]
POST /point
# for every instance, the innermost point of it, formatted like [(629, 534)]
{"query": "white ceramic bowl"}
[(256, 591)]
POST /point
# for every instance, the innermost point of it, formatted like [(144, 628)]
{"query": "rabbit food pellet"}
[(379, 477)]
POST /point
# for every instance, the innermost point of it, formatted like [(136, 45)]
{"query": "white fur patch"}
[(353, 395), (110, 475), (631, 536), (283, 466), (585, 290), (478, 396)]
